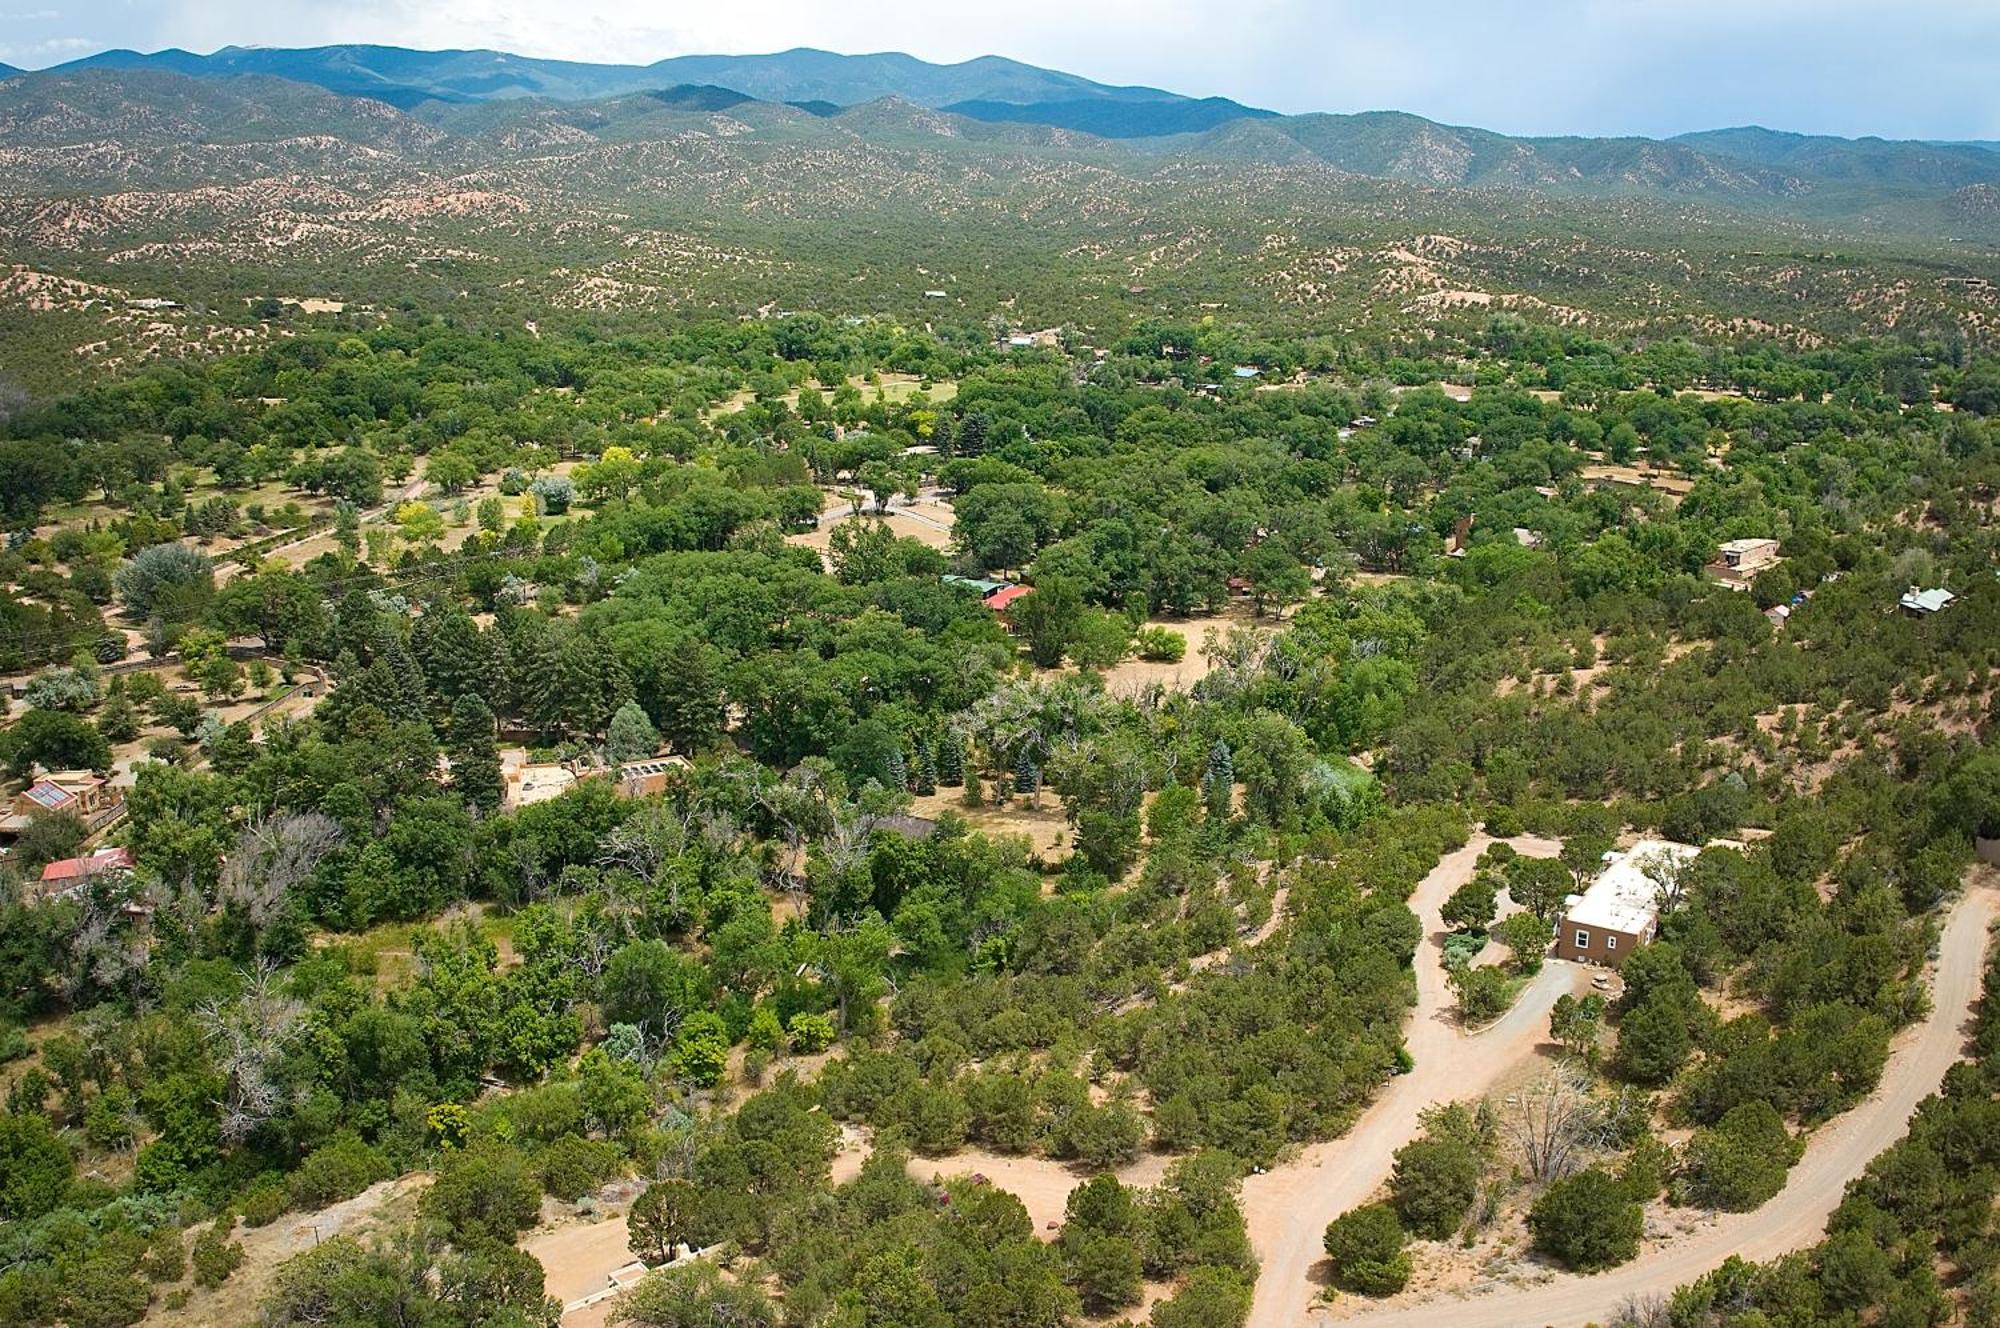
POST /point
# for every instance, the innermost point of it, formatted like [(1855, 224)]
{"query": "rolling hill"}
[(147, 213), (1873, 184)]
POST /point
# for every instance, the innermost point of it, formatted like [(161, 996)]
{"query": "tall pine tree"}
[(475, 759)]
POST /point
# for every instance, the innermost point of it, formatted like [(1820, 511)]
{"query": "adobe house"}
[(1620, 911), (79, 793), (1738, 561)]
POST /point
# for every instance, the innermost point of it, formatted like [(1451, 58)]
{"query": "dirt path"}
[(1835, 1154), (1288, 1208)]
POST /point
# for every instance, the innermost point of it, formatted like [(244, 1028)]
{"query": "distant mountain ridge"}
[(1108, 118), (1871, 185), (406, 77)]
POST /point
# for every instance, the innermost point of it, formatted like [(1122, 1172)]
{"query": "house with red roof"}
[(67, 877), (1000, 599)]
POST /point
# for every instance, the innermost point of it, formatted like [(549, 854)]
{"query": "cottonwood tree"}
[(273, 856), (1556, 1123), (248, 1038)]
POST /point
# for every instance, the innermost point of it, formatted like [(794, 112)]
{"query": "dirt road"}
[(1288, 1208), (1836, 1153)]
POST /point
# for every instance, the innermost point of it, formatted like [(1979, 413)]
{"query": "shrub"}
[(1472, 905), (484, 1192), (810, 1033), (1528, 937), (1654, 1041), (1209, 1298), (1160, 645), (1366, 1246), (1434, 1183), (701, 1049), (339, 1169), (573, 1166), (1587, 1222), (166, 1257), (1483, 993), (216, 1256), (264, 1202), (1741, 1161), (1106, 1272), (170, 581), (553, 493)]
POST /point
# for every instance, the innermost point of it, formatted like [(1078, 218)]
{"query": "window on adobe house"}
[(1582, 939), (1611, 942)]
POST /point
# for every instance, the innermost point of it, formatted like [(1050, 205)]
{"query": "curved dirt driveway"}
[(1835, 1154), (1288, 1207)]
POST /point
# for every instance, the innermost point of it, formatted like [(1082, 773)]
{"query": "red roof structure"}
[(1000, 599), (72, 869)]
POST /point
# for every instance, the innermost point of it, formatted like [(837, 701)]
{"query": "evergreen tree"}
[(412, 698), (690, 697), (1027, 774), (475, 759), (972, 435), (455, 655), (898, 770), (923, 774), (631, 735), (1218, 780), (593, 683), (950, 760)]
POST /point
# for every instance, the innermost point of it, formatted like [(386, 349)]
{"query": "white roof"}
[(1625, 897), (1746, 545), (1927, 601)]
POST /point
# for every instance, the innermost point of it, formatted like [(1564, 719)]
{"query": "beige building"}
[(1738, 561), (1620, 911)]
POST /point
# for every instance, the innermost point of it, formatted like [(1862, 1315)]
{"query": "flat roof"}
[(1927, 601), (1625, 897)]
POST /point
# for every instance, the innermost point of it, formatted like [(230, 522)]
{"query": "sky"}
[(1914, 69)]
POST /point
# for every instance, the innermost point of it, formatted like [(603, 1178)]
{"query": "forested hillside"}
[(888, 829), (148, 214)]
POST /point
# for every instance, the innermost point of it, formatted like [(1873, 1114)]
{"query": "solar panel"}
[(48, 795)]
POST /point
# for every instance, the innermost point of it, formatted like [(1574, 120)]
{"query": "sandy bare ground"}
[(1835, 1154), (1044, 824), (376, 1210), (1288, 1207), (1130, 677), (1671, 483), (1041, 1184), (927, 518), (576, 1260)]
